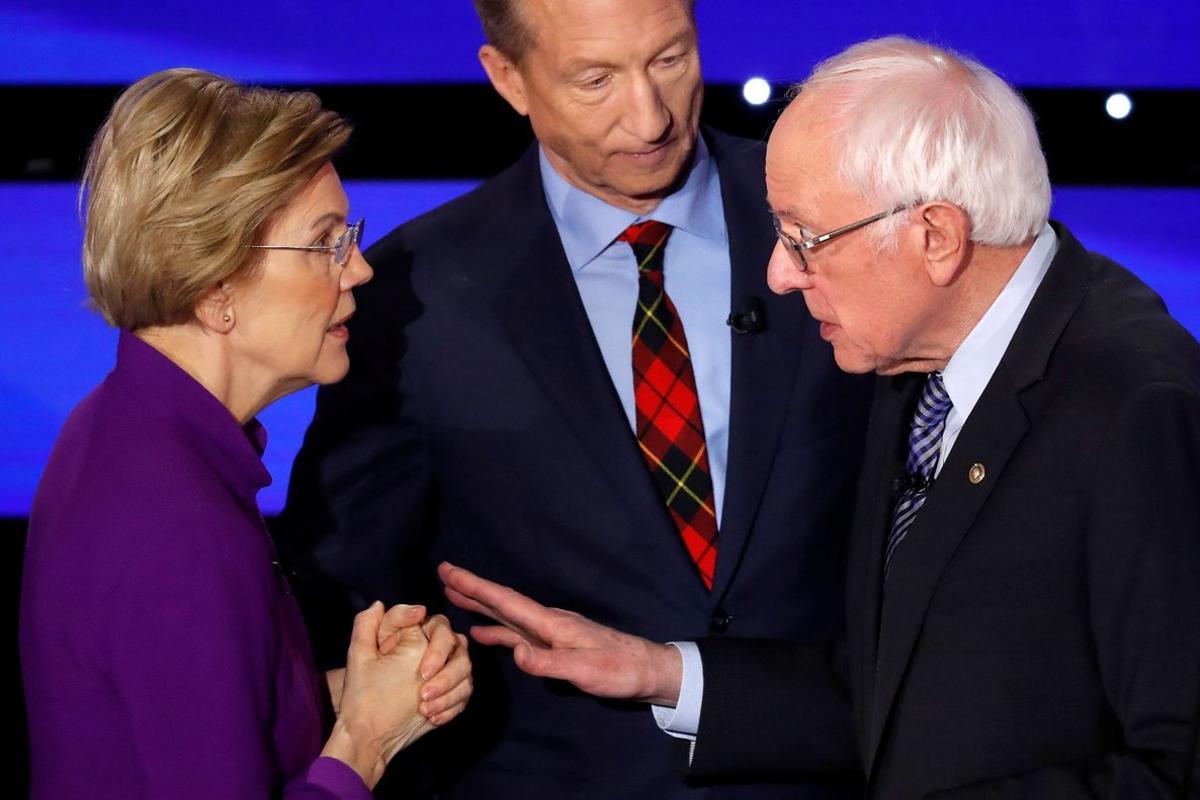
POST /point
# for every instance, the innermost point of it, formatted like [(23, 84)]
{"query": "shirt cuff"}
[(337, 778), (683, 720)]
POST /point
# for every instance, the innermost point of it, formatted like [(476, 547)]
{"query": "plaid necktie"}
[(924, 446), (669, 427)]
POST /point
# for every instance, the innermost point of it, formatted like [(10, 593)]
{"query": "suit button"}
[(719, 621)]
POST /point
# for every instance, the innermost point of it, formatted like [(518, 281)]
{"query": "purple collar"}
[(167, 391)]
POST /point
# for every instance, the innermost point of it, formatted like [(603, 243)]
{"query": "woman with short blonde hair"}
[(162, 653), (181, 178)]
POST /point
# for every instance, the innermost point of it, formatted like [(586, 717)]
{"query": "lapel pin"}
[(976, 473)]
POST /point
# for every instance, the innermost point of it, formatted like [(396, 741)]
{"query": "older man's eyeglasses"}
[(797, 248), (341, 247)]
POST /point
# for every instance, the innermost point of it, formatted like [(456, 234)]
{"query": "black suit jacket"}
[(1039, 636), (479, 424)]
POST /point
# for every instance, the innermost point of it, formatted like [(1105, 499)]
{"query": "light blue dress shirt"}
[(968, 371), (966, 375), (695, 273)]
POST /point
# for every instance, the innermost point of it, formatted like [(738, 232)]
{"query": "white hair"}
[(917, 123)]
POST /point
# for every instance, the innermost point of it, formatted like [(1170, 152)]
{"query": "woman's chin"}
[(333, 370)]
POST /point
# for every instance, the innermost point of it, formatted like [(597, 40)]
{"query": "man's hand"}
[(552, 643)]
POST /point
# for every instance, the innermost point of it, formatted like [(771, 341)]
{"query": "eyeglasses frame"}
[(353, 232), (809, 244)]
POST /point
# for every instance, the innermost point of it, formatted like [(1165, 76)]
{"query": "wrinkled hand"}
[(378, 713), (445, 667), (553, 643), (394, 619), (446, 670)]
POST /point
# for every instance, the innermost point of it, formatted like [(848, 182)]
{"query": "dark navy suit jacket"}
[(479, 424), (1039, 636)]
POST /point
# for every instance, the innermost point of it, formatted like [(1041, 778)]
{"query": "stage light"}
[(756, 91), (1118, 105)]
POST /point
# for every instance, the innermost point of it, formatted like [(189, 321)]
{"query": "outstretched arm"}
[(553, 643)]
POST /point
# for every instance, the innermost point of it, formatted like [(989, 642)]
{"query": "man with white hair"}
[(1024, 581)]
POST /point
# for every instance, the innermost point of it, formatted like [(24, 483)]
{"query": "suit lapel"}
[(764, 362), (895, 399), (539, 307), (994, 430)]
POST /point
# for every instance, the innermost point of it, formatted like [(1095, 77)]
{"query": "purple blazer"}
[(162, 653)]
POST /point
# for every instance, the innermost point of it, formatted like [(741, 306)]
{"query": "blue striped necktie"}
[(924, 447)]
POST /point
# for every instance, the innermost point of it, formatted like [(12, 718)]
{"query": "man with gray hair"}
[(1023, 600)]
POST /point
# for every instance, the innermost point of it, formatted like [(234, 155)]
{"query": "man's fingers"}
[(567, 665), (506, 606), (497, 635), (534, 659), (467, 603)]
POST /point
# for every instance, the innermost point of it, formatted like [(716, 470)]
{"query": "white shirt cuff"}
[(683, 720)]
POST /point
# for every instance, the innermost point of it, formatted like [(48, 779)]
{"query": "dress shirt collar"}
[(234, 451), (587, 225), (971, 367)]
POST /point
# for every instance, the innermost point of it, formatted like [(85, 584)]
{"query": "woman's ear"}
[(215, 309)]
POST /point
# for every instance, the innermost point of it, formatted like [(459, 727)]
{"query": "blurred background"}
[(1115, 85)]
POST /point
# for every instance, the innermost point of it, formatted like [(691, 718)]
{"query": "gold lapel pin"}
[(976, 473)]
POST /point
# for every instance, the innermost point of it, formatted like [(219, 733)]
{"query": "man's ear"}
[(946, 240), (215, 310), (506, 78)]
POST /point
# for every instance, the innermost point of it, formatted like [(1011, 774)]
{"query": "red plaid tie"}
[(669, 428)]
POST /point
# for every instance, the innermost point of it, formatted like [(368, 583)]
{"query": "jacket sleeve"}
[(773, 709), (195, 673), (327, 779)]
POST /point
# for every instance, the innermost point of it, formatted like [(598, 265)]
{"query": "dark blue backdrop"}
[(1119, 43), (56, 349)]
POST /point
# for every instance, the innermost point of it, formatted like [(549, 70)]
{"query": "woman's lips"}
[(338, 329)]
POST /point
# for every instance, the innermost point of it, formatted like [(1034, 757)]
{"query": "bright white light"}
[(1118, 105), (756, 91)]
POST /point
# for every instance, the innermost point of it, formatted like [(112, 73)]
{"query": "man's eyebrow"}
[(787, 211), (582, 64), (683, 38)]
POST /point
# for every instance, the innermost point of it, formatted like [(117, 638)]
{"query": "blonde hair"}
[(186, 171)]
